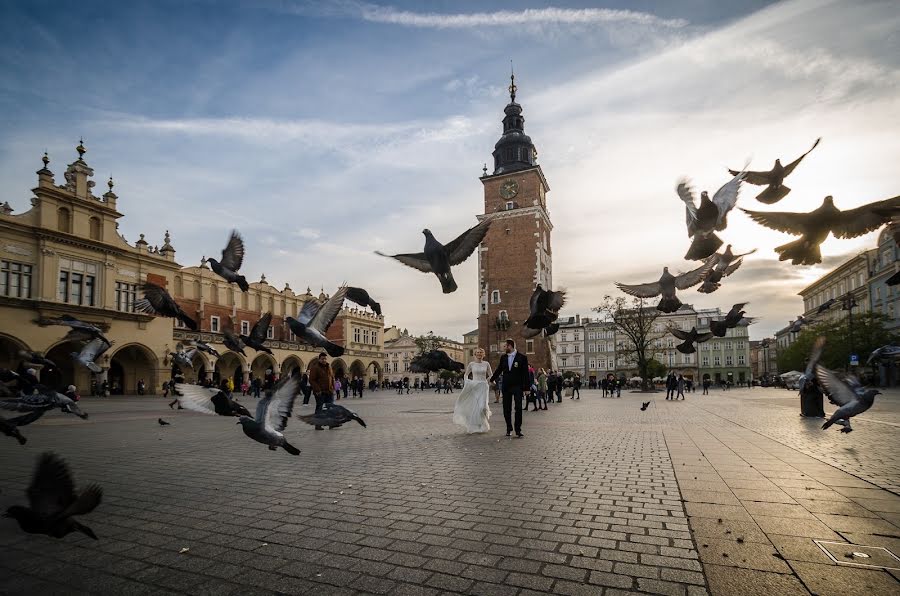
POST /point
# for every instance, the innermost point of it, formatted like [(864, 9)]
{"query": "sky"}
[(324, 131)]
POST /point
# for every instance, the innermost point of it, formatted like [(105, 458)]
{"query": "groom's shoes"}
[(508, 433), (519, 435)]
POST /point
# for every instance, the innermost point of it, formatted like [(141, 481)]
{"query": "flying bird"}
[(10, 426), (233, 342), (90, 352), (157, 301), (36, 358), (232, 258), (544, 307), (202, 346), (797, 325), (774, 179), (810, 372), (163, 422), (362, 298), (332, 415), (667, 285), (689, 338), (45, 399), (53, 503), (851, 398), (259, 334), (272, 414), (893, 280), (438, 258), (726, 263), (547, 331), (208, 400), (814, 227), (731, 320), (888, 352), (709, 217), (644, 406), (79, 330), (313, 321), (185, 359)]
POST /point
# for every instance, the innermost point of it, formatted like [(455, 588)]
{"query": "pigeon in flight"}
[(689, 338), (45, 399), (36, 358), (850, 397), (258, 334), (313, 321), (732, 319), (202, 346), (888, 352), (774, 179), (893, 280), (547, 331), (53, 502), (797, 325), (80, 331), (826, 305), (185, 359), (810, 372), (544, 307), (644, 406), (709, 217), (90, 352), (667, 285), (163, 422), (332, 416), (233, 342), (232, 258), (727, 263), (814, 227), (208, 400), (10, 426), (362, 298), (434, 361), (272, 414), (438, 258), (157, 301)]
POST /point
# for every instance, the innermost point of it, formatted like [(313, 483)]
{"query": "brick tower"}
[(515, 255)]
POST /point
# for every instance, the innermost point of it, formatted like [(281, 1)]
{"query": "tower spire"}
[(512, 83)]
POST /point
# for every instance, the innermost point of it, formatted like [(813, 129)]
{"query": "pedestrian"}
[(679, 387), (322, 381), (705, 386), (671, 383), (72, 393), (604, 385), (104, 388), (576, 387), (165, 387), (559, 387), (140, 387), (811, 400), (345, 385), (244, 388), (337, 388), (542, 387), (305, 388)]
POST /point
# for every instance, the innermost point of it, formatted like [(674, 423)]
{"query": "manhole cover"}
[(858, 555)]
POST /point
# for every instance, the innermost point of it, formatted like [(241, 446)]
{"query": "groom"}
[(514, 368)]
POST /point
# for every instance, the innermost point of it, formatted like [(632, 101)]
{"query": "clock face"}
[(509, 189)]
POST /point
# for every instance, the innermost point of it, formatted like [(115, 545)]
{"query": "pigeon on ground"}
[(272, 414), (90, 352), (851, 398), (644, 406), (53, 502), (732, 319), (313, 321), (331, 415), (162, 422), (45, 399), (10, 426), (232, 258), (888, 352), (209, 400), (202, 346), (233, 342), (814, 227), (667, 285), (689, 338), (710, 216), (80, 330), (36, 358), (544, 307), (362, 298), (727, 263), (157, 301), (810, 372), (438, 258), (434, 361), (258, 334), (774, 179)]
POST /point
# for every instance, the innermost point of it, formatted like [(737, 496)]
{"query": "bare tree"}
[(635, 321)]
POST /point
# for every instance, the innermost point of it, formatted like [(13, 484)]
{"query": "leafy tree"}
[(869, 333), (655, 368), (429, 342), (635, 321)]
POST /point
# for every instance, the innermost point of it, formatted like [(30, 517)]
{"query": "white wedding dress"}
[(472, 411)]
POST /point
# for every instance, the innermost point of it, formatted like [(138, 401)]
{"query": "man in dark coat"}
[(514, 368)]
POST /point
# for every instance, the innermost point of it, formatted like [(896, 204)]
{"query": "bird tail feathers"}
[(669, 304), (290, 448), (771, 194), (800, 252), (827, 424), (334, 351), (702, 247), (242, 283), (448, 284), (708, 287)]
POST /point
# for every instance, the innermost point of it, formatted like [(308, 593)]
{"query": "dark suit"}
[(513, 384)]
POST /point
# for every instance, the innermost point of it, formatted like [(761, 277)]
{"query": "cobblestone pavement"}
[(598, 498)]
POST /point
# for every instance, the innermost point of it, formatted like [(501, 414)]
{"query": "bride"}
[(472, 409)]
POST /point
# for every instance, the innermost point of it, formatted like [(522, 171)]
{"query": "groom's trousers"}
[(510, 396)]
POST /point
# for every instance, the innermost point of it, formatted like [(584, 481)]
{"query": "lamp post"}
[(848, 303)]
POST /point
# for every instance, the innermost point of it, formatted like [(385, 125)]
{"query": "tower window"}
[(509, 205), (495, 297)]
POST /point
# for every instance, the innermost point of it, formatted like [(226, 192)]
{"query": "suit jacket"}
[(515, 378)]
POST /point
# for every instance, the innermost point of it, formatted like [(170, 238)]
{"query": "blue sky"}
[(326, 130)]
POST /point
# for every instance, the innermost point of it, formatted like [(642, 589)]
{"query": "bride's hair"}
[(477, 350)]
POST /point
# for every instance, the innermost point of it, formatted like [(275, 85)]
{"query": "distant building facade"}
[(569, 343), (600, 348), (724, 359)]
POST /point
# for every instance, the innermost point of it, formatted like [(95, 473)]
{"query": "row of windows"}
[(15, 279), (729, 360), (64, 224), (601, 334), (365, 336), (607, 347)]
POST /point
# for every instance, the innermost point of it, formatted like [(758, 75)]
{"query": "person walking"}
[(559, 387), (337, 388), (514, 368), (141, 387), (322, 382), (576, 387), (542, 387), (305, 388), (679, 387), (705, 386), (360, 387), (670, 385)]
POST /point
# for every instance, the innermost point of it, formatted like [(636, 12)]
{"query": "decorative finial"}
[(80, 148), (262, 278), (512, 84), (484, 170), (167, 238), (110, 183), (45, 159)]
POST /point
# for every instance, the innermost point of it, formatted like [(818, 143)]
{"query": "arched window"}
[(63, 220), (495, 297), (95, 230), (213, 294)]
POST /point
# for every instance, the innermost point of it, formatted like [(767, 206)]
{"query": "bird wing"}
[(533, 302), (782, 221), (838, 391), (528, 332), (25, 419), (261, 328), (326, 315), (196, 398), (86, 502), (233, 255), (732, 267), (702, 337), (814, 356), (726, 197), (51, 490), (277, 410), (859, 221), (416, 260), (695, 276), (686, 194), (232, 338), (682, 335), (464, 245), (308, 311), (155, 298), (825, 305), (756, 178), (790, 167), (556, 300), (648, 290), (358, 296), (93, 349)]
